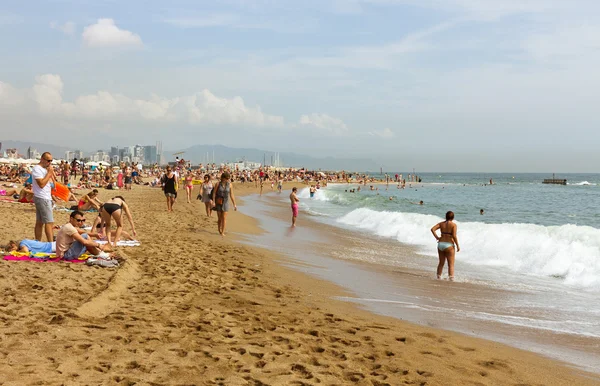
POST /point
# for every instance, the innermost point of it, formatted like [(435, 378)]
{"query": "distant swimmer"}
[(418, 203), (481, 211), (491, 182), (391, 198), (294, 201), (446, 243)]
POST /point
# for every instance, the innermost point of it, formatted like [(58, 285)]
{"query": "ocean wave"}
[(319, 195), (582, 183), (569, 253)]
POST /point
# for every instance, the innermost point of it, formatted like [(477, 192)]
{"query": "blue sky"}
[(437, 85)]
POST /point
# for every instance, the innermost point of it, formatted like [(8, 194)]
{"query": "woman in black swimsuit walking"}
[(169, 183), (113, 209)]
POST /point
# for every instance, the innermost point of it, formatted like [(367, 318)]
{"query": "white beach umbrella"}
[(4, 160), (91, 163), (103, 163)]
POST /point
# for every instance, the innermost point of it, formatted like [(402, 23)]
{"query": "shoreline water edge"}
[(390, 278), (188, 306)]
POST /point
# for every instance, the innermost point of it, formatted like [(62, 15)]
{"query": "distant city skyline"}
[(458, 84)]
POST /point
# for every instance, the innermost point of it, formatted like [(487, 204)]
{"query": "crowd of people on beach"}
[(216, 192), (73, 239)]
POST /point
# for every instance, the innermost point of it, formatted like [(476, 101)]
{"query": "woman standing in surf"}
[(446, 243)]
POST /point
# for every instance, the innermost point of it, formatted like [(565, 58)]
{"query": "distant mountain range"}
[(222, 154), (21, 146), (203, 153)]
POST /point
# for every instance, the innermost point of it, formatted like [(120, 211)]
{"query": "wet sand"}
[(189, 307), (388, 278)]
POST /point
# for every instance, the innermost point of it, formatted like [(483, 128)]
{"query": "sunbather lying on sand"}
[(31, 246)]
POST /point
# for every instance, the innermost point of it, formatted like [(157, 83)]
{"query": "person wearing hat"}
[(221, 194)]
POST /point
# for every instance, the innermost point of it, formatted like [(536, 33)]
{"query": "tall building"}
[(114, 150), (69, 155), (150, 155), (78, 154), (101, 155), (138, 154)]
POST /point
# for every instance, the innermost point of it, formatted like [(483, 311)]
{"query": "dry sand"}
[(191, 308)]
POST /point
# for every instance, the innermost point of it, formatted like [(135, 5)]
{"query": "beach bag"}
[(61, 191)]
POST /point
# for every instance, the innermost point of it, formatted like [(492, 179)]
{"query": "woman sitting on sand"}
[(206, 194), (113, 209), (446, 244), (89, 201), (221, 195)]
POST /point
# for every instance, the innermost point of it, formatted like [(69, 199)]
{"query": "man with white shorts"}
[(43, 175)]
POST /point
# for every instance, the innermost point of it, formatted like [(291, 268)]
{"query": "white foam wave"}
[(570, 253), (582, 183), (319, 195)]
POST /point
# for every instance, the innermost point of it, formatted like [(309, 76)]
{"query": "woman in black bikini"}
[(113, 209), (446, 244)]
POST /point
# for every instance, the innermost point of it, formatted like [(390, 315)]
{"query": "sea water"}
[(528, 228), (528, 273)]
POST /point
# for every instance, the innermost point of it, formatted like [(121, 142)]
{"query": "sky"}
[(436, 85)]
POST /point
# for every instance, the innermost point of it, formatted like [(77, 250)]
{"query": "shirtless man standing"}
[(294, 200)]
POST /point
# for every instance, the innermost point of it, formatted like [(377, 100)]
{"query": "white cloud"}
[(346, 6), (68, 28), (45, 105), (105, 33), (7, 18), (565, 43), (384, 133), (324, 123), (381, 56), (488, 9), (214, 20)]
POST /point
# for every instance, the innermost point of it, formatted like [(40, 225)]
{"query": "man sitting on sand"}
[(72, 241)]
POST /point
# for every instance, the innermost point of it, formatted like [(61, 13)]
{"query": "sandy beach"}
[(191, 308)]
